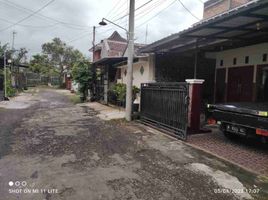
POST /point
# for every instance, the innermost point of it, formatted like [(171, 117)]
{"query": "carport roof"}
[(109, 60), (241, 26)]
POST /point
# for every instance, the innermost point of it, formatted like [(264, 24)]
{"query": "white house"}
[(143, 70)]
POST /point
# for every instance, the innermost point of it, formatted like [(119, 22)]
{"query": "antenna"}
[(146, 34)]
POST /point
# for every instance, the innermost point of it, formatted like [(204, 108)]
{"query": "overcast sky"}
[(72, 20)]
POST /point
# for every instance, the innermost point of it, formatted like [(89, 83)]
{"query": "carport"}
[(243, 26), (240, 27)]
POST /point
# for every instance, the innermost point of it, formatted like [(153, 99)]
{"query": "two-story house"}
[(110, 58)]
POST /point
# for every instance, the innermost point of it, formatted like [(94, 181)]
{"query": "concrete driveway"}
[(53, 149)]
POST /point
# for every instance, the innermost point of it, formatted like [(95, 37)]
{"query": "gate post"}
[(194, 110)]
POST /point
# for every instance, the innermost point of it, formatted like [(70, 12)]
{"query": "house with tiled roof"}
[(113, 46), (110, 60)]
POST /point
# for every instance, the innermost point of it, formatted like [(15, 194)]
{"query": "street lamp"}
[(103, 23)]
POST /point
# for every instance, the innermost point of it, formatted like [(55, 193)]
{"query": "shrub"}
[(118, 93), (81, 73), (11, 91)]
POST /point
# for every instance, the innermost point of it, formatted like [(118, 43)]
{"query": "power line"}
[(27, 25), (135, 10), (113, 8), (188, 10), (67, 24), (27, 17), (146, 11), (88, 33), (122, 12), (157, 14), (80, 37)]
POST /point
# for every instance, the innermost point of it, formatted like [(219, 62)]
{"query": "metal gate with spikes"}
[(165, 105)]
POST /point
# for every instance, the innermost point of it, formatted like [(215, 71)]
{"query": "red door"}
[(240, 84)]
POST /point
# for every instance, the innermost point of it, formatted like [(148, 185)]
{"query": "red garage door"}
[(240, 84)]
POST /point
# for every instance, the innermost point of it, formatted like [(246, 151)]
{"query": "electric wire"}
[(135, 10), (190, 12), (141, 15), (67, 24), (27, 17), (28, 25), (114, 8), (156, 14)]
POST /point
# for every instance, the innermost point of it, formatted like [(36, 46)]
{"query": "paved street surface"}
[(52, 149), (249, 153)]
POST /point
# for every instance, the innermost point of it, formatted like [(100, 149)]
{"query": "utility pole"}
[(229, 5), (12, 52), (130, 60), (13, 39), (93, 43), (5, 70), (93, 65)]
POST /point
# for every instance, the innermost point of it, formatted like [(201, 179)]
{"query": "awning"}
[(109, 61), (242, 26)]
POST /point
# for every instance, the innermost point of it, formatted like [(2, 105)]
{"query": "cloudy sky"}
[(72, 20)]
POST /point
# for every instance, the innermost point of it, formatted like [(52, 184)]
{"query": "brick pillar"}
[(194, 110)]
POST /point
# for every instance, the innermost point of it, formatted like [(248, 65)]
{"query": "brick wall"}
[(215, 7), (97, 55)]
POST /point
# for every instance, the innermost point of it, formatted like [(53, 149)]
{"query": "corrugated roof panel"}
[(238, 21), (206, 31), (261, 25), (263, 11), (232, 33), (255, 34)]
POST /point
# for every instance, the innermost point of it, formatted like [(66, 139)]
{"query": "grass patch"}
[(75, 99)]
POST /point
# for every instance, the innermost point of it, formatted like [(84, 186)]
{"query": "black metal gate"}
[(166, 105)]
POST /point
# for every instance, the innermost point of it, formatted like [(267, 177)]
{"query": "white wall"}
[(74, 86), (138, 78), (255, 53)]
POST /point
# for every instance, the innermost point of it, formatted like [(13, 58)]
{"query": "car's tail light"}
[(212, 121), (262, 132)]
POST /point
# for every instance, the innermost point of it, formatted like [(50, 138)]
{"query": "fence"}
[(34, 79), (166, 105)]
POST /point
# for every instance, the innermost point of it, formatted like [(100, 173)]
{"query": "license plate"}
[(236, 129)]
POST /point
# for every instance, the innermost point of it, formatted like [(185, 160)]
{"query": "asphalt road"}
[(56, 150)]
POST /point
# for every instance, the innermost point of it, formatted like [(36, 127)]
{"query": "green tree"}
[(82, 74), (3, 48), (17, 55), (20, 56), (40, 64), (61, 56)]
